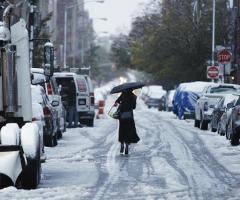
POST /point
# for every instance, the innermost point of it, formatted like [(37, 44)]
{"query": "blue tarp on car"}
[(184, 104), (185, 99)]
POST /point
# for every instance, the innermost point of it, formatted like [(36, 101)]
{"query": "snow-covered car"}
[(51, 89), (157, 99), (38, 116), (50, 115), (144, 92), (219, 109), (170, 96), (232, 120), (210, 92), (185, 98)]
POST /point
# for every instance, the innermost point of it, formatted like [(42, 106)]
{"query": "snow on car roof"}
[(197, 86), (155, 87), (37, 70), (36, 91), (157, 94)]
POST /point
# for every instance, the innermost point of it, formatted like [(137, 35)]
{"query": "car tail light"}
[(34, 119), (46, 111), (92, 99), (238, 111), (49, 89)]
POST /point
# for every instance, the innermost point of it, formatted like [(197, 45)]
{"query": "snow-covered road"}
[(173, 160)]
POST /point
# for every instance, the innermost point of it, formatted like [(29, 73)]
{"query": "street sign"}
[(224, 56), (212, 72)]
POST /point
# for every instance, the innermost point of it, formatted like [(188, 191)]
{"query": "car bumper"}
[(189, 115), (207, 117), (156, 105), (86, 115)]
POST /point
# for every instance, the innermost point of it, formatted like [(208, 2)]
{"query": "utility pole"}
[(213, 32), (31, 35), (236, 42)]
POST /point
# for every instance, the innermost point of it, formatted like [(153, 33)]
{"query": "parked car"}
[(185, 98), (220, 108), (170, 95), (38, 117), (50, 115), (83, 102), (157, 99), (209, 93), (232, 121), (53, 92), (143, 94)]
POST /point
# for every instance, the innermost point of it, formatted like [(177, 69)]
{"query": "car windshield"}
[(225, 90)]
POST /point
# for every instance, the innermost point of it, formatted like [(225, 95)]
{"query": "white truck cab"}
[(20, 138)]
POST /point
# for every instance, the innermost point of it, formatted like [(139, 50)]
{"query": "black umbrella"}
[(127, 86)]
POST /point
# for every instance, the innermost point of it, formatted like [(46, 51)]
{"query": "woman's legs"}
[(126, 148)]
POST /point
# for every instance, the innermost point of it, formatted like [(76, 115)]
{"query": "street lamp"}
[(65, 24)]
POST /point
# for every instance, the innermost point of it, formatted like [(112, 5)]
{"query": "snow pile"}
[(10, 134), (30, 139)]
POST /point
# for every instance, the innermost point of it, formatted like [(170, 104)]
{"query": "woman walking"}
[(127, 129)]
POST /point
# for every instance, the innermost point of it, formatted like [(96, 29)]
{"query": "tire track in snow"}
[(119, 168), (165, 151), (218, 175), (223, 174)]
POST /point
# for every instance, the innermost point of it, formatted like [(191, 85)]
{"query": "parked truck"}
[(20, 139)]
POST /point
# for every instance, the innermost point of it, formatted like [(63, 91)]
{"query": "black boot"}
[(126, 149), (122, 148)]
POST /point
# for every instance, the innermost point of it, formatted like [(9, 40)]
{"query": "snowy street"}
[(173, 160)]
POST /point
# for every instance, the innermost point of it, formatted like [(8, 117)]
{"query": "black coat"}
[(127, 129)]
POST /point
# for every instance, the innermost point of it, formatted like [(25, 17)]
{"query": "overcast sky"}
[(118, 12)]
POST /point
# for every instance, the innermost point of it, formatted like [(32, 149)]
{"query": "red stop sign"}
[(212, 72), (224, 56)]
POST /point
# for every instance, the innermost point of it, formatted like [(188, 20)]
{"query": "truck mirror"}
[(48, 59)]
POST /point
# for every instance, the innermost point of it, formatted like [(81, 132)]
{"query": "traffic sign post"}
[(212, 72), (224, 57)]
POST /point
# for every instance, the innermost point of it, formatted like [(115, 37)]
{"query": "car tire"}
[(204, 125), (234, 140), (197, 123), (31, 174), (90, 122), (59, 134), (49, 141), (55, 142), (213, 129)]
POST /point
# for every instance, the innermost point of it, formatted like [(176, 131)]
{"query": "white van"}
[(83, 102)]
